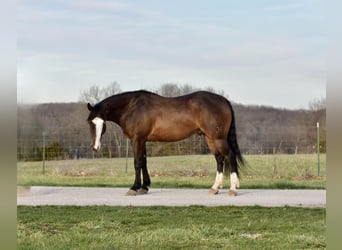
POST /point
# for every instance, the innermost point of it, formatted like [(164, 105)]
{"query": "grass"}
[(262, 171), (194, 227)]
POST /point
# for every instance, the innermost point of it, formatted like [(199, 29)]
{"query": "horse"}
[(145, 116)]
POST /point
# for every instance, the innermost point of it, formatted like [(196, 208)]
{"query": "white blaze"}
[(98, 128)]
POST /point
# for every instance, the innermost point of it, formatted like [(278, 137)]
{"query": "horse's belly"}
[(171, 133)]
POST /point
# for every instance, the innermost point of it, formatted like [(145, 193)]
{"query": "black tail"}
[(235, 159)]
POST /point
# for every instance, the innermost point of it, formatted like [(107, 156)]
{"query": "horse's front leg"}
[(146, 176), (137, 181), (138, 147)]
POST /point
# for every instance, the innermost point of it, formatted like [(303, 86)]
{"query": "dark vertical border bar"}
[(334, 125), (8, 109)]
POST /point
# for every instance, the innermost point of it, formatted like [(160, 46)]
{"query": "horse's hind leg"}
[(234, 179), (219, 161), (229, 159), (219, 174), (231, 163)]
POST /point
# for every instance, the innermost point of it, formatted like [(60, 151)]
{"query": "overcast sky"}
[(258, 52)]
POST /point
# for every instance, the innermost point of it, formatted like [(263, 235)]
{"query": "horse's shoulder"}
[(140, 102)]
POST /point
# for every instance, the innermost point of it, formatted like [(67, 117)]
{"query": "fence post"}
[(318, 150), (43, 152), (126, 155)]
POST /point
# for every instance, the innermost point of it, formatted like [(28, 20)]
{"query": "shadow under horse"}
[(144, 116)]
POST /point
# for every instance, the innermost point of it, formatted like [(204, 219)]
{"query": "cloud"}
[(103, 6), (140, 45)]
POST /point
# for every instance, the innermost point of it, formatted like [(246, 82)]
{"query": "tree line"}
[(260, 129)]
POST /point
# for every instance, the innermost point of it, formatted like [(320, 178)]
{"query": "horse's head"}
[(97, 126)]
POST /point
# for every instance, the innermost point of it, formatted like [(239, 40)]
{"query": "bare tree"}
[(187, 89), (260, 129), (169, 90), (317, 104), (111, 89), (219, 92), (94, 93), (91, 95)]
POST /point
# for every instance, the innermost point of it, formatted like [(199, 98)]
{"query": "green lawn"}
[(192, 227), (196, 171)]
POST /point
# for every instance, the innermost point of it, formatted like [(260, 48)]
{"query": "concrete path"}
[(80, 196)]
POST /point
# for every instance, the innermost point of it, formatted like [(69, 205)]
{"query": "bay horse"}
[(144, 116)]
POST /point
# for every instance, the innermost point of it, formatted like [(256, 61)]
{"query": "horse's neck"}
[(117, 106)]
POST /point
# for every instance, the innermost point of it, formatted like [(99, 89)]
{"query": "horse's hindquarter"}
[(214, 115), (179, 118)]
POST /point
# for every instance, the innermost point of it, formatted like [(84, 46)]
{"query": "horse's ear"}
[(90, 108)]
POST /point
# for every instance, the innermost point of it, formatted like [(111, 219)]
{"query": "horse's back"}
[(143, 97), (209, 99)]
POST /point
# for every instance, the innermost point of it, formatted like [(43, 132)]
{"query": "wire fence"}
[(60, 146)]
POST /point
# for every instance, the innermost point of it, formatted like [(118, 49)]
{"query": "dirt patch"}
[(79, 174), (157, 174), (251, 236), (194, 173), (308, 177), (72, 173)]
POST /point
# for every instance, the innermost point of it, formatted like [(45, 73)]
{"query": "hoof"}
[(232, 192), (213, 191), (131, 192), (142, 191)]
